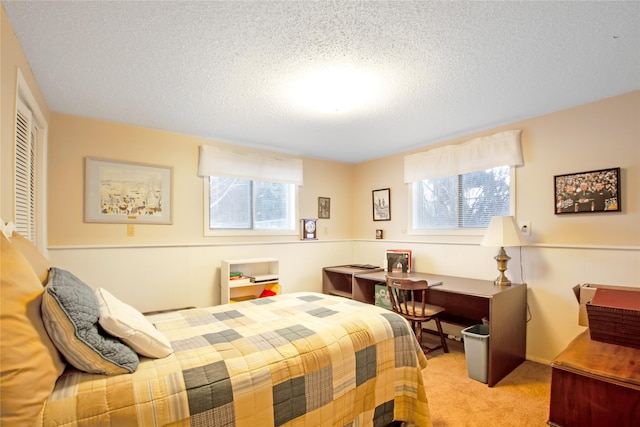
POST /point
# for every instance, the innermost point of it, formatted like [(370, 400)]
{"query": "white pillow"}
[(125, 322), (7, 229)]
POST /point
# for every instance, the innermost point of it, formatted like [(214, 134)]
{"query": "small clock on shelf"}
[(308, 229)]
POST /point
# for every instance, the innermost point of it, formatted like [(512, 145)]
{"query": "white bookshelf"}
[(268, 268)]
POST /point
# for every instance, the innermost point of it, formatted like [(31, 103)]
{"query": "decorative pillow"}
[(38, 262), (128, 324), (70, 311), (30, 363)]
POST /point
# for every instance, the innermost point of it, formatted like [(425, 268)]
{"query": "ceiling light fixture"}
[(334, 90)]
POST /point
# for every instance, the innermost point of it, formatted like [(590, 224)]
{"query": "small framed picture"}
[(399, 260), (379, 234), (324, 207), (587, 192), (382, 204)]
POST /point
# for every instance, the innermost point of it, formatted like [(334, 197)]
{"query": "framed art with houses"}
[(126, 192)]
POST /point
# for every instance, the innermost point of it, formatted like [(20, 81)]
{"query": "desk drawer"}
[(461, 309)]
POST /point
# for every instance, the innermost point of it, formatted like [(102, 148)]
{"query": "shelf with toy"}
[(242, 279)]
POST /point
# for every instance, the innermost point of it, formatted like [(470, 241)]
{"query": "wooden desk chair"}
[(409, 299)]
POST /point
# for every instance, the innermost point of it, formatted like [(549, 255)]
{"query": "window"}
[(240, 204), (461, 186), (248, 193), (461, 201)]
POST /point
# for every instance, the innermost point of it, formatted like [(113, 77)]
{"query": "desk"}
[(467, 302), (595, 384)]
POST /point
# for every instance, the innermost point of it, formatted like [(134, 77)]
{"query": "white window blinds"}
[(217, 162), (25, 173), (500, 149)]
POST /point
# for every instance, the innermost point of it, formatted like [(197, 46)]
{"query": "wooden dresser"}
[(595, 384)]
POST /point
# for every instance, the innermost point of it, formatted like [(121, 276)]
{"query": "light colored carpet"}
[(521, 399)]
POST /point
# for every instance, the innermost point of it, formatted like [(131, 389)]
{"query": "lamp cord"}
[(522, 278)]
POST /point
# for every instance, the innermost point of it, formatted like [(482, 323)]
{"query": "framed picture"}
[(398, 261), (587, 192), (379, 234), (125, 192), (324, 207), (382, 204)]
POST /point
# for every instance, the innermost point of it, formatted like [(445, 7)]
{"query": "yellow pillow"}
[(39, 263), (30, 364)]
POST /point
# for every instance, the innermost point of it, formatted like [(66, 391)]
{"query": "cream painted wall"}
[(73, 138), (11, 59), (598, 135), (564, 250)]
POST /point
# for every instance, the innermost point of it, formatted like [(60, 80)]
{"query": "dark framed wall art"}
[(382, 204), (587, 192), (324, 207)]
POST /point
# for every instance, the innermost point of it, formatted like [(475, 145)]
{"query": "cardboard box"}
[(585, 293)]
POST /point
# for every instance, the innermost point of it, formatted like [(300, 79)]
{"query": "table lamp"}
[(502, 231)]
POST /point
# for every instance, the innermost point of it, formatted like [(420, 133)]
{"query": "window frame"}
[(458, 231), (240, 232)]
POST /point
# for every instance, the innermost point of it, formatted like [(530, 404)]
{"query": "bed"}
[(301, 359)]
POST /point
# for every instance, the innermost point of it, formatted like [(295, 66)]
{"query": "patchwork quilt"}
[(302, 359)]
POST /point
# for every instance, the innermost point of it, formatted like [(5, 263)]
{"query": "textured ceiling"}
[(225, 70)]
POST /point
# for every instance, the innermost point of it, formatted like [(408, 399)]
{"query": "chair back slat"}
[(408, 297)]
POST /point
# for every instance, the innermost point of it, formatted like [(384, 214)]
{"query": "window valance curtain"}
[(215, 161), (500, 149)]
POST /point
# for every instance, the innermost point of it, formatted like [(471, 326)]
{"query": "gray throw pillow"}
[(70, 311)]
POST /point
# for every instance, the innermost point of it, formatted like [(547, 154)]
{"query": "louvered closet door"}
[(25, 173)]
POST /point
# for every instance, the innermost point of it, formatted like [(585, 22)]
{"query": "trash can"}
[(476, 351)]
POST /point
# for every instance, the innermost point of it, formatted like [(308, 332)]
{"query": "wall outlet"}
[(525, 227)]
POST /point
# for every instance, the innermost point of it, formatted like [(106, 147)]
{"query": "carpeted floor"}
[(521, 399)]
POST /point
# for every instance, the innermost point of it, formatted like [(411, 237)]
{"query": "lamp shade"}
[(503, 231)]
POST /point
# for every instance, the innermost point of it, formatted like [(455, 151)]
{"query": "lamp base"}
[(502, 258), (502, 281)]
